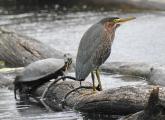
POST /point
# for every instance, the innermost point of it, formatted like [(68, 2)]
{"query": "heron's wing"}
[(88, 45)]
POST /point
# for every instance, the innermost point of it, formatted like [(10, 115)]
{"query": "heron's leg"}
[(93, 80), (98, 78)]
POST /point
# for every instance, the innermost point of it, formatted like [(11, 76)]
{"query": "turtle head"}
[(67, 60)]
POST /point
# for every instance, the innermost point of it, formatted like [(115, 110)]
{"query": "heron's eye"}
[(116, 20), (109, 26)]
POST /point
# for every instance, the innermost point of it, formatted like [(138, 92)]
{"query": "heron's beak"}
[(122, 20)]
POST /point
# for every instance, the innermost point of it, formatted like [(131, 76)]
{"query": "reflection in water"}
[(94, 116), (10, 110)]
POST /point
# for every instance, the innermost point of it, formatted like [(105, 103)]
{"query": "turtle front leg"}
[(63, 75)]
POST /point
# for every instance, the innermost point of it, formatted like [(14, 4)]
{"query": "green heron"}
[(95, 48)]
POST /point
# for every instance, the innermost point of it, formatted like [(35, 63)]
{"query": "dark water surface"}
[(140, 40)]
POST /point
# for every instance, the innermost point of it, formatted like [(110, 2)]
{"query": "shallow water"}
[(139, 40), (9, 110)]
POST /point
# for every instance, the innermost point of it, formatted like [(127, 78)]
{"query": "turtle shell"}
[(40, 69)]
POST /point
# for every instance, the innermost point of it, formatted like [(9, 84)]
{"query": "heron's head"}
[(114, 22), (67, 60)]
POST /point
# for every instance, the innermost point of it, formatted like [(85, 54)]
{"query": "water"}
[(140, 40), (9, 110)]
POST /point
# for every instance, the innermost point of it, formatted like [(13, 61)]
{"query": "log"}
[(153, 73), (118, 101), (128, 68), (154, 110), (19, 50)]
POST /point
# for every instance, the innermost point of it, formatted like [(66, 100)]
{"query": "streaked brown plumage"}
[(95, 47)]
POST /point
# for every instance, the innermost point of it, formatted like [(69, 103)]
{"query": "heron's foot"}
[(94, 91), (99, 88), (88, 93), (74, 90)]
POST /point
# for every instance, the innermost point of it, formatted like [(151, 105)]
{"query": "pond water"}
[(140, 40)]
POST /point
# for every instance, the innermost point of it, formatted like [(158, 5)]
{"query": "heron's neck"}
[(109, 36)]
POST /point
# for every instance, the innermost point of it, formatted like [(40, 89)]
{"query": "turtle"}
[(38, 73)]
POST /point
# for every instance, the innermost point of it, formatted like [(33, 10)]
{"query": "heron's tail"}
[(83, 70)]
